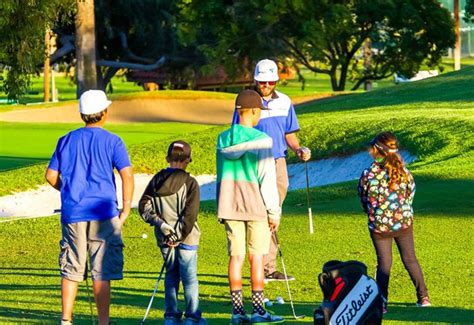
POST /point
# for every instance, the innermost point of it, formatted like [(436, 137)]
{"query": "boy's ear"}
[(167, 160)]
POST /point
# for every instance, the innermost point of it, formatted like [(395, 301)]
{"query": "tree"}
[(23, 24), (327, 36), (137, 34), (131, 34)]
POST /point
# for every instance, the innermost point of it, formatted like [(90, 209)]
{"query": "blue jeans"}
[(182, 265)]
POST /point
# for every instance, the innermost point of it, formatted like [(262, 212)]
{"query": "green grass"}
[(315, 85), (433, 119), (26, 144), (29, 281)]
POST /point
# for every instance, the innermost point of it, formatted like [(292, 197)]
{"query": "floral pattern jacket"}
[(388, 210)]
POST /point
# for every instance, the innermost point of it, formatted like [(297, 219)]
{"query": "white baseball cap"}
[(266, 70), (93, 101)]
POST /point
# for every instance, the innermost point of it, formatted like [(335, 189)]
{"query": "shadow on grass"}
[(11, 163), (407, 313), (218, 312), (433, 196), (126, 299)]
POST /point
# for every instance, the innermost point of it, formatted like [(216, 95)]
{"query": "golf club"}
[(168, 255), (286, 279), (310, 214)]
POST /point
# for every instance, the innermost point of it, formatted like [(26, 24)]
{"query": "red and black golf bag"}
[(350, 296)]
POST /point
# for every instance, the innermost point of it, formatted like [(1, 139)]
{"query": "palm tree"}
[(85, 47)]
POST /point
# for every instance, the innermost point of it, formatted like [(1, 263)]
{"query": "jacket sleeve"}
[(268, 184), (146, 206), (362, 190), (191, 210)]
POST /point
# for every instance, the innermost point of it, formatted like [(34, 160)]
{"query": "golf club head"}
[(299, 316)]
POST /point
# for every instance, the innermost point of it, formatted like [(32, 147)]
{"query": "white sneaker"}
[(266, 318)]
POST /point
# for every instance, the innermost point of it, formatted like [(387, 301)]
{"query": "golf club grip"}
[(310, 216)]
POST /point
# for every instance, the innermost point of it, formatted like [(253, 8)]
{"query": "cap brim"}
[(261, 107), (97, 109), (263, 78)]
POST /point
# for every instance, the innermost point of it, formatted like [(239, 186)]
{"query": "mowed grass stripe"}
[(23, 144)]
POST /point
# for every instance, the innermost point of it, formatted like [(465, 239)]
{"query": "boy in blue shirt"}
[(82, 169)]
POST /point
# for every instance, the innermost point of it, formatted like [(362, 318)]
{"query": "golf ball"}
[(279, 300), (144, 236), (267, 302)]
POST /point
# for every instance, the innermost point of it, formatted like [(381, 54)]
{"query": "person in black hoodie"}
[(171, 204)]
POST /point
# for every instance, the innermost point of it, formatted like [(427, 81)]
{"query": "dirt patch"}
[(202, 111)]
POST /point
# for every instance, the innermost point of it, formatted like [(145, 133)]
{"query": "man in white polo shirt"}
[(281, 124)]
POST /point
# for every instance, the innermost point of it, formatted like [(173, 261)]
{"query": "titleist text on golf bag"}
[(350, 296)]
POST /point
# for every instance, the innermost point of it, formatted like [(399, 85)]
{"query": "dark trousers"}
[(406, 247)]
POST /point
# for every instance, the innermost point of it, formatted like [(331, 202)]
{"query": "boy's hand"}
[(273, 224), (172, 240), (123, 215)]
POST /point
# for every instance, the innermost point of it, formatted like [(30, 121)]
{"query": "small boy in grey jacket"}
[(171, 204)]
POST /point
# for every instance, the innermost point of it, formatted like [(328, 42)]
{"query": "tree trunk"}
[(333, 75), (367, 62), (457, 46), (85, 47), (343, 77), (46, 79)]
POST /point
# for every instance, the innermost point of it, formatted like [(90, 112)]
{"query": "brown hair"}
[(386, 144), (93, 118)]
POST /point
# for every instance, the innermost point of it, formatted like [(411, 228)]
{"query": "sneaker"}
[(195, 321), (173, 321), (424, 302), (266, 318), (277, 276), (239, 319)]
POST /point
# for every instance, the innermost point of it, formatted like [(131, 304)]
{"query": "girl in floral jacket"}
[(386, 190)]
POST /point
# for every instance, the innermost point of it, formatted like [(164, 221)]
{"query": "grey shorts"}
[(102, 240)]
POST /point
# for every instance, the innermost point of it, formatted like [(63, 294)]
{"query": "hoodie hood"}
[(169, 181), (237, 140)]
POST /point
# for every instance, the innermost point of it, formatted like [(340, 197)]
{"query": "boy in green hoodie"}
[(247, 203)]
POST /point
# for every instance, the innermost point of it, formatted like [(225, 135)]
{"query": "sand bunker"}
[(44, 200)]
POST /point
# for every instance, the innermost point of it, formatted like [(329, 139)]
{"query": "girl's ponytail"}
[(387, 145)]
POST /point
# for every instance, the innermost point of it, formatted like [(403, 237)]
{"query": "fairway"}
[(23, 144), (29, 281), (433, 120)]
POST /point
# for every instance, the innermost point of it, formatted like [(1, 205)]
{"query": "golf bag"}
[(350, 296)]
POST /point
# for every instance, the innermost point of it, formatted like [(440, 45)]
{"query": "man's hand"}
[(304, 153), (273, 224)]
